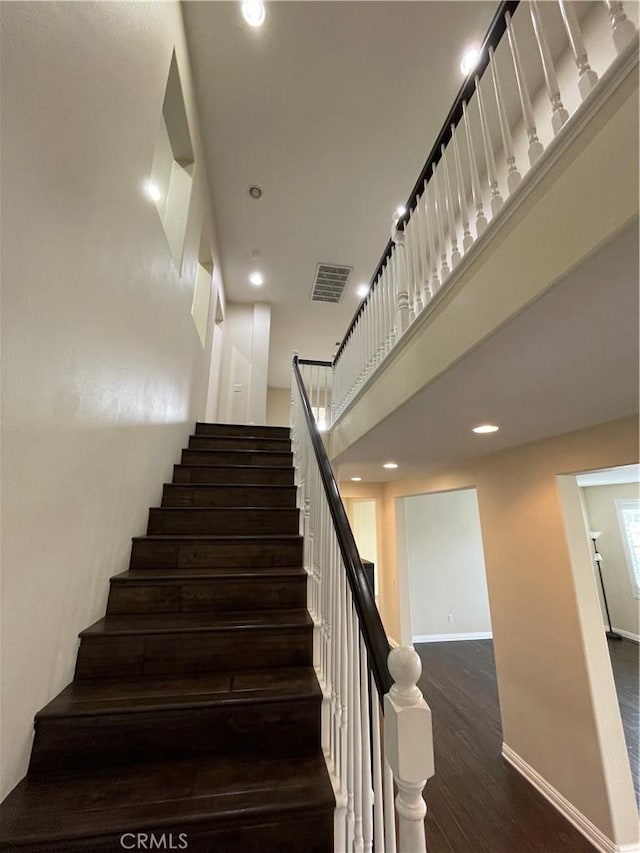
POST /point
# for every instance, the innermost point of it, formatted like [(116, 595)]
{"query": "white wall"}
[(600, 507), (245, 359), (278, 406), (446, 565), (103, 373)]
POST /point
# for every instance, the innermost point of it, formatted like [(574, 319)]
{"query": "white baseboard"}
[(628, 635), (446, 638), (566, 809)]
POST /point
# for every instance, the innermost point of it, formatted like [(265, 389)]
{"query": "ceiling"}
[(567, 362), (331, 108)]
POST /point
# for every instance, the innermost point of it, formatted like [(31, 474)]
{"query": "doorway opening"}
[(610, 502), (363, 518)]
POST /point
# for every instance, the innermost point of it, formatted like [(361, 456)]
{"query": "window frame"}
[(634, 575)]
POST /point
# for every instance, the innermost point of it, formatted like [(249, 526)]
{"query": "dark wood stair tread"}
[(233, 537), (161, 575), (180, 623), (193, 793), (89, 698)]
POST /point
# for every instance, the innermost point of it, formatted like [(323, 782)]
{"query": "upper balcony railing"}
[(520, 96)]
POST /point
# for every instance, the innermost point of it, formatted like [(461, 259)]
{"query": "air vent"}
[(330, 283)]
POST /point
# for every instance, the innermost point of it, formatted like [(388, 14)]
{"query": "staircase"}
[(193, 721)]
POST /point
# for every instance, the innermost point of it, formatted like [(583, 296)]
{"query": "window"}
[(629, 520)]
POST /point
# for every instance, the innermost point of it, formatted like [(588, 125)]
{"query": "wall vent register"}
[(330, 282)]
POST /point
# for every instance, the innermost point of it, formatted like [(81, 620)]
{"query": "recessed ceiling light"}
[(362, 290), (401, 210), (486, 428), (256, 278), (152, 191), (390, 465), (356, 479), (469, 59), (253, 12), (255, 192)]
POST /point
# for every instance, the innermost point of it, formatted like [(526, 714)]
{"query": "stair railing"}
[(497, 133), (376, 726)]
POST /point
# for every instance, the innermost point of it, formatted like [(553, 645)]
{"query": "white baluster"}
[(402, 296), (351, 733), (428, 210), (393, 298), (408, 743), (535, 146), (587, 77), (559, 113), (390, 305), (408, 257), (490, 160), (513, 175), (481, 219), (622, 29), (367, 782), (378, 796), (341, 817), (440, 216), (358, 841), (467, 239), (453, 235), (424, 255), (416, 264)]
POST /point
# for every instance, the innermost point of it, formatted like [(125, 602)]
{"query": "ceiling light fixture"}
[(362, 290), (256, 279), (390, 465), (401, 211), (152, 191), (356, 479), (253, 12), (484, 429), (470, 59), (255, 192)]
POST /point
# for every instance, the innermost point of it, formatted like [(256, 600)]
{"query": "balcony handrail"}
[(492, 38), (373, 632)]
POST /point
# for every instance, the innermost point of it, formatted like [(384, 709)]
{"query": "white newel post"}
[(408, 743)]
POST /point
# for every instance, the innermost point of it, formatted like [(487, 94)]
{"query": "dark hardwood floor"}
[(477, 803), (625, 661)]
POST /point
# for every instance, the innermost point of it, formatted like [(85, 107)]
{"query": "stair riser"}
[(149, 553), (236, 457), (207, 596), (199, 496), (237, 476), (210, 442), (234, 430), (304, 832), (269, 728), (193, 652), (222, 522)]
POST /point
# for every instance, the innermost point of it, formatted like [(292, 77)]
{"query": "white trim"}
[(590, 831), (635, 638), (446, 638)]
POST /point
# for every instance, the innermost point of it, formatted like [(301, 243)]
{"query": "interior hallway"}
[(476, 802)]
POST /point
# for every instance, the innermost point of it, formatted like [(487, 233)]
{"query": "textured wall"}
[(103, 373)]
